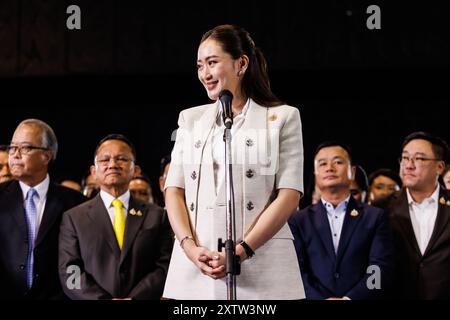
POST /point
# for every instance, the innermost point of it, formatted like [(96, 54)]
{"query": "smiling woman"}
[(195, 187)]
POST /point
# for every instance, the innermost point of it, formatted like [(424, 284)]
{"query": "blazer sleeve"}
[(69, 255), (381, 256), (290, 170), (175, 176), (152, 285), (312, 289)]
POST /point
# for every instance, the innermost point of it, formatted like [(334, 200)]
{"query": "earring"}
[(240, 73)]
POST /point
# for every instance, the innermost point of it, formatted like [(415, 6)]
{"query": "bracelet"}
[(184, 239), (248, 251)]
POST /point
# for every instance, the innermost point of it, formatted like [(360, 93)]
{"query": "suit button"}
[(336, 275), (422, 265), (22, 267), (250, 206), (249, 142), (194, 175), (192, 207), (249, 173), (36, 275)]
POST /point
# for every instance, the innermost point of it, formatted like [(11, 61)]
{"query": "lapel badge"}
[(273, 117), (198, 144), (133, 212), (139, 213), (442, 201), (354, 213)]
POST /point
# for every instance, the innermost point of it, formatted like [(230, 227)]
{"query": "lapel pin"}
[(139, 213), (354, 213), (273, 117), (448, 203), (442, 200), (133, 212)]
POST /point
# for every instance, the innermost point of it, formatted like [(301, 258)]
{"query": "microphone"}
[(226, 98)]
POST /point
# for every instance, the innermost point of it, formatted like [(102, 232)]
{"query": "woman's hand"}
[(210, 263)]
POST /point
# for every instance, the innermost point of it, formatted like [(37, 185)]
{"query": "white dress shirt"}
[(40, 200), (108, 199), (423, 217), (218, 145), (336, 219)]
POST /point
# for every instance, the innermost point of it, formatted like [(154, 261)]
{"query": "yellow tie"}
[(119, 222)]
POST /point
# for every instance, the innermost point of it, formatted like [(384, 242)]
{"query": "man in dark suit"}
[(114, 246), (420, 217), (31, 209), (344, 247)]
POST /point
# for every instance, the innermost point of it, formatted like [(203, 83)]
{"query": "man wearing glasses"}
[(114, 246), (420, 216), (31, 208)]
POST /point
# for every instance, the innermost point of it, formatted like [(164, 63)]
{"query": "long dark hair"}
[(237, 42)]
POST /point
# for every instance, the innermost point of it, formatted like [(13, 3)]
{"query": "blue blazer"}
[(365, 240)]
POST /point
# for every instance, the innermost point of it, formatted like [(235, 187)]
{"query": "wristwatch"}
[(248, 251)]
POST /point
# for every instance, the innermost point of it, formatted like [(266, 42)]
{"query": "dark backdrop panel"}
[(131, 69)]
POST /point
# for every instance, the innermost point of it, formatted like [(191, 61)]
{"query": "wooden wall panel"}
[(42, 37), (92, 49), (9, 11)]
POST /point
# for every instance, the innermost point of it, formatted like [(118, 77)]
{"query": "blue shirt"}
[(336, 219)]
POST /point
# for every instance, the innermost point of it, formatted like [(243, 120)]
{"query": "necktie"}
[(119, 222), (31, 214)]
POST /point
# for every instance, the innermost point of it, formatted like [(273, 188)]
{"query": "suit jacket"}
[(365, 241), (420, 276), (267, 155), (87, 240), (14, 242)]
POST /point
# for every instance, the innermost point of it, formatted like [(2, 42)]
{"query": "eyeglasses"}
[(23, 149), (120, 160), (416, 160)]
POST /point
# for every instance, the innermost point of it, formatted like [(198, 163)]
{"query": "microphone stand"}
[(232, 262)]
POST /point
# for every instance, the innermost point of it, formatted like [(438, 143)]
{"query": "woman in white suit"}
[(267, 160)]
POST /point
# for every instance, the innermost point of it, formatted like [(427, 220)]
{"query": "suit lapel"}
[(404, 220), (352, 217), (52, 211), (322, 226), (132, 226), (101, 220), (442, 219), (15, 205)]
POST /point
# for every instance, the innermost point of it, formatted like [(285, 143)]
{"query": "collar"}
[(108, 199), (240, 115), (342, 205), (41, 188), (432, 199)]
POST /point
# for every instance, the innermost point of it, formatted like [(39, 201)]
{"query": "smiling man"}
[(31, 208), (120, 245), (340, 240), (420, 215)]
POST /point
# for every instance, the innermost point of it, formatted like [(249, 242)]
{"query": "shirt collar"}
[(108, 199), (432, 199), (241, 115), (41, 188), (342, 205)]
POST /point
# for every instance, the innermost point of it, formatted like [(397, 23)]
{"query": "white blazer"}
[(268, 155)]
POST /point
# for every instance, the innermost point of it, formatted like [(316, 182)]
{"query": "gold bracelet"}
[(184, 239)]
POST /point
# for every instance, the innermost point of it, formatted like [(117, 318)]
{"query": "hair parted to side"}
[(49, 140), (237, 42), (439, 145), (120, 137)]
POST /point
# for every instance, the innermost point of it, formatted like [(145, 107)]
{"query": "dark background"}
[(131, 70)]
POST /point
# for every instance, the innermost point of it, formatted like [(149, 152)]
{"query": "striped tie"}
[(31, 215)]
